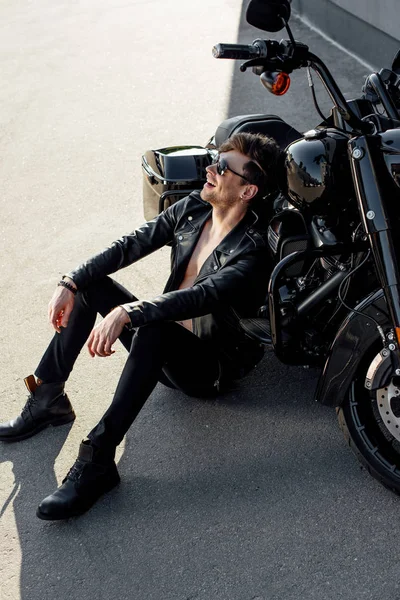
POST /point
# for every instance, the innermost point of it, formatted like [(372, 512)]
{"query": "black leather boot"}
[(46, 405), (91, 476)]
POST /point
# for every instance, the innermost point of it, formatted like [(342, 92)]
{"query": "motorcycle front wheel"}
[(370, 422)]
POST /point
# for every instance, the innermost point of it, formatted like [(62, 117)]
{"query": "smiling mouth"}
[(208, 182)]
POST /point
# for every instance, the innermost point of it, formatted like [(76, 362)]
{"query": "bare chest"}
[(204, 248)]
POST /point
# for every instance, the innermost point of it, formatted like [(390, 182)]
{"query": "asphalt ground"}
[(254, 496)]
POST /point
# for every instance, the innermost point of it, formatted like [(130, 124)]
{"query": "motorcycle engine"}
[(287, 233)]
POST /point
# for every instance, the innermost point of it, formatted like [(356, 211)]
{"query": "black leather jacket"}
[(232, 281)]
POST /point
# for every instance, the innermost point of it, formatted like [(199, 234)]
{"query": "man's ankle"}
[(101, 454)]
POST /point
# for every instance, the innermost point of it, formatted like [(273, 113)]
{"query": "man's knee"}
[(93, 291), (153, 336), (153, 330)]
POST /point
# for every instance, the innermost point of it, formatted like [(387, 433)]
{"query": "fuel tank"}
[(318, 172)]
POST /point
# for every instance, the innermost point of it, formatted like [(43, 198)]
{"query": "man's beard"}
[(207, 196), (214, 199)]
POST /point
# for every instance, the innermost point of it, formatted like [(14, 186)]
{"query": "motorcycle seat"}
[(270, 125)]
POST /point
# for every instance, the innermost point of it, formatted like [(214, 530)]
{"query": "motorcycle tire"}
[(372, 429)]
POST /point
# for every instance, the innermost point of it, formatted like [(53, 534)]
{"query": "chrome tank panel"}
[(391, 153)]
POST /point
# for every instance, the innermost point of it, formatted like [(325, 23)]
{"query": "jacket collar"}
[(231, 240), (228, 247)]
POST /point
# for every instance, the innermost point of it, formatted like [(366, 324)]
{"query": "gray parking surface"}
[(254, 496)]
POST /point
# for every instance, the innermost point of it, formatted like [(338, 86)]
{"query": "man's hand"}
[(60, 306), (103, 336)]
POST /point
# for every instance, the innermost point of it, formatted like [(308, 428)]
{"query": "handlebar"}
[(287, 56), (258, 49)]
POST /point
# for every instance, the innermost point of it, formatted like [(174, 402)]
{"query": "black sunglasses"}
[(223, 166)]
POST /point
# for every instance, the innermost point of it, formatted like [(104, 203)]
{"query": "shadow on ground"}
[(206, 485)]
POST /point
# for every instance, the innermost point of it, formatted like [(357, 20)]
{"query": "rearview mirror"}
[(268, 15)]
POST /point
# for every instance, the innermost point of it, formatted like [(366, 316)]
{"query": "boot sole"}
[(77, 513), (61, 421)]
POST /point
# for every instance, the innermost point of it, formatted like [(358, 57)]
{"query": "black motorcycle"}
[(333, 232)]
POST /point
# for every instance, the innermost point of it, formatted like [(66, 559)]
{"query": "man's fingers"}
[(58, 321), (99, 344), (103, 347), (108, 348), (51, 314), (95, 344), (60, 308), (103, 335), (65, 315), (56, 315), (90, 344), (55, 319)]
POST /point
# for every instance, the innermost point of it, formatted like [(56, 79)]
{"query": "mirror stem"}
[(289, 31)]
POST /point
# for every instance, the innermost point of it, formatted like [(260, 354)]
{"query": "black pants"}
[(163, 351)]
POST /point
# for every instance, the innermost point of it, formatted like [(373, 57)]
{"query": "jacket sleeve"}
[(127, 249), (239, 278)]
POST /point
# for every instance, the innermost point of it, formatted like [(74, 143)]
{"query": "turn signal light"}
[(276, 83)]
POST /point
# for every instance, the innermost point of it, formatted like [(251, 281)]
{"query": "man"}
[(188, 337)]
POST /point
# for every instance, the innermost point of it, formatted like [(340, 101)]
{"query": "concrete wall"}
[(369, 28)]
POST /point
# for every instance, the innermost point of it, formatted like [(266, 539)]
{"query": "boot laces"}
[(29, 403), (75, 471)]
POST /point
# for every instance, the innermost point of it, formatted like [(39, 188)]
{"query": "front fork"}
[(377, 204)]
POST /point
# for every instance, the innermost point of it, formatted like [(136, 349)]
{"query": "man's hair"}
[(263, 152)]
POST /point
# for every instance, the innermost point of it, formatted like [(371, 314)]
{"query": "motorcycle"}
[(333, 233)]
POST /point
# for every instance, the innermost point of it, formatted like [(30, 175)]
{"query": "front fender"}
[(355, 337)]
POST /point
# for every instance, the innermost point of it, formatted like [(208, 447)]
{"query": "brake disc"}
[(388, 400)]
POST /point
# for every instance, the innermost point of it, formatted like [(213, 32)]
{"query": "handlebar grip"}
[(236, 51)]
